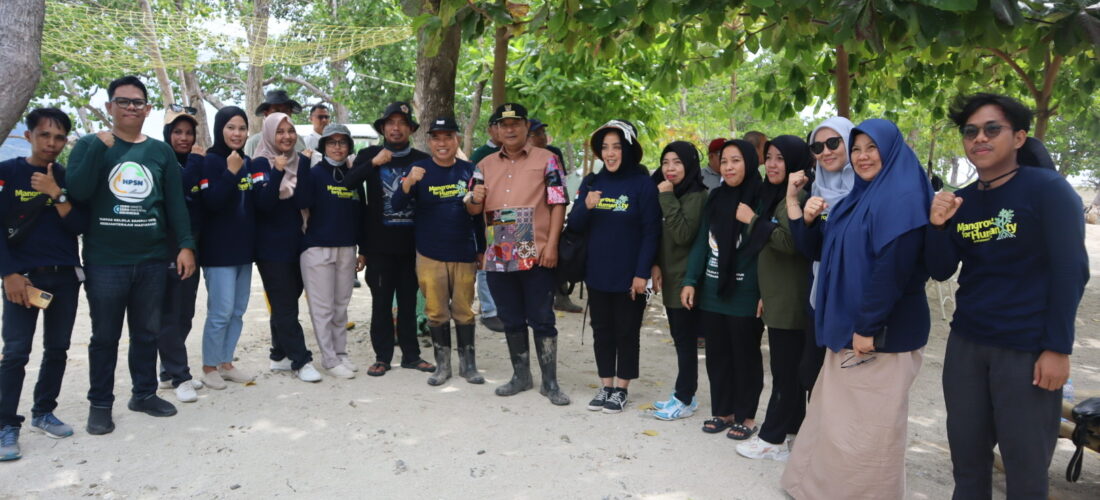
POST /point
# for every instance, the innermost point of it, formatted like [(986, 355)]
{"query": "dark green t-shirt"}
[(702, 273), (134, 195)]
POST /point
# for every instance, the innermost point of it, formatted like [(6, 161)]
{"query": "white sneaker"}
[(757, 448), (185, 393), (195, 383), (341, 371), (307, 373), (344, 360), (165, 384), (283, 365)]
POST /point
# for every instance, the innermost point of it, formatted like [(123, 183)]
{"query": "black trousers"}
[(616, 328), (787, 405), (176, 316), (388, 275), (683, 324), (283, 286), (813, 356), (734, 364), (990, 401)]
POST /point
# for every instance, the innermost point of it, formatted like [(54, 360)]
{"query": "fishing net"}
[(126, 40)]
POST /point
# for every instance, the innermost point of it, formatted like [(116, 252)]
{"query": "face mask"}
[(330, 161)]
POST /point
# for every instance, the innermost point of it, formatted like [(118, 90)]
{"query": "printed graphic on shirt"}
[(391, 182), (510, 234), (131, 182), (259, 177), (1, 186), (712, 257), (446, 191), (25, 196), (993, 229), (620, 204), (243, 184), (555, 184), (342, 192), (204, 184)]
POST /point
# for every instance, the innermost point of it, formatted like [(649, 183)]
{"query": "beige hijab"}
[(266, 149)]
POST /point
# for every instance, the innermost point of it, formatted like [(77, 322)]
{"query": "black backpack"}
[(573, 251), (1087, 416)]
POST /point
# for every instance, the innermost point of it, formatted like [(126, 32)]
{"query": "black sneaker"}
[(615, 402), (153, 406), (494, 323), (99, 421), (601, 397)]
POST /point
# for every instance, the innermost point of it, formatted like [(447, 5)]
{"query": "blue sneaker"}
[(660, 405), (676, 410), (51, 426), (9, 443)]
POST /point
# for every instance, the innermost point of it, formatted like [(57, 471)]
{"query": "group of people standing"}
[(828, 247), (830, 250)]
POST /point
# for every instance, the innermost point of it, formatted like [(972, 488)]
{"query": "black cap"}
[(394, 108), (445, 123), (278, 96), (535, 124), (508, 110)]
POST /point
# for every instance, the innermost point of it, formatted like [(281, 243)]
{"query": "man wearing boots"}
[(449, 243), (391, 248), (523, 202)]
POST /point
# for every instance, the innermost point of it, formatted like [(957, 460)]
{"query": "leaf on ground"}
[(647, 406), (593, 386), (649, 432), (250, 383)]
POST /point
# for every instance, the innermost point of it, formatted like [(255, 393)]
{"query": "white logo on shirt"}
[(131, 182)]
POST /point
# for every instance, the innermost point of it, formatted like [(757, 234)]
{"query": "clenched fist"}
[(106, 137), (665, 187), (479, 194), (744, 214), (795, 182), (814, 207), (280, 163), (944, 206), (383, 157), (234, 162), (592, 199)]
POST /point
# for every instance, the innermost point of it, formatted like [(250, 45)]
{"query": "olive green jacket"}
[(678, 229)]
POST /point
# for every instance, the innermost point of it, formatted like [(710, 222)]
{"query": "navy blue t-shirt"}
[(1024, 263), (229, 213), (278, 222), (444, 230), (51, 241)]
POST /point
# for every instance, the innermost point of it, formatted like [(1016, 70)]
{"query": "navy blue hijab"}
[(873, 214)]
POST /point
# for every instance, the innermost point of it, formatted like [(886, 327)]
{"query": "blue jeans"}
[(134, 292), (18, 334), (525, 298), (488, 307), (227, 291), (176, 315)]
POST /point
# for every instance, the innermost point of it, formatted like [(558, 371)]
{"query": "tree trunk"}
[(254, 86), (500, 66), (955, 171), (434, 95), (338, 70), (1043, 110), (843, 84), (475, 115), (195, 100), (21, 45), (150, 33), (683, 102), (931, 154), (733, 101)]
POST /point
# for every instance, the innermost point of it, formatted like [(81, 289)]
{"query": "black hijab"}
[(180, 157), (223, 116), (722, 212), (689, 157), (796, 157)]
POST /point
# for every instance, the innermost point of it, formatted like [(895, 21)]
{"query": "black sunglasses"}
[(991, 129), (182, 109), (832, 143)]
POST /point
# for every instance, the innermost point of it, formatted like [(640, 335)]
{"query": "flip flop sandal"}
[(378, 369), (745, 432), (421, 365), (715, 425)]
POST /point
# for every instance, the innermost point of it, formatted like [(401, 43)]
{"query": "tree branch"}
[(1019, 71), (309, 86), (214, 101)]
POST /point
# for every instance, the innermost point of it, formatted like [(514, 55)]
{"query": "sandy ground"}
[(396, 437)]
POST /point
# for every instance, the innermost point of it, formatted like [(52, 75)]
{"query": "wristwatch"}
[(63, 197)]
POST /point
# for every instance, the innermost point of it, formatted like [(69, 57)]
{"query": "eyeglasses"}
[(832, 143), (174, 107), (851, 360), (129, 103), (324, 117), (991, 129)]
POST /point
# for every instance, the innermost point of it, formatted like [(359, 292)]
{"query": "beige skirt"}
[(853, 440)]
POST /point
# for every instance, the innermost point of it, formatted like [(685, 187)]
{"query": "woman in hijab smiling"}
[(226, 248), (618, 209), (721, 280), (682, 196), (871, 313), (833, 179), (784, 284), (279, 243)]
